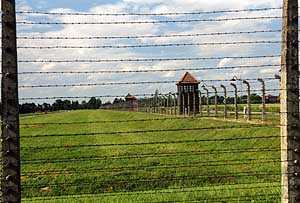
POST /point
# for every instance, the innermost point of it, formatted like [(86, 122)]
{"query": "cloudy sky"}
[(142, 6)]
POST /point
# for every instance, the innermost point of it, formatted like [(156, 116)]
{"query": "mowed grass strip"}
[(120, 168), (228, 193)]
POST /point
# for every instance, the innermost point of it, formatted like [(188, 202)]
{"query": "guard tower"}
[(131, 103), (188, 97)]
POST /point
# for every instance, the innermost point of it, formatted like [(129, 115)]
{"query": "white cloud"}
[(224, 62), (148, 6), (187, 5), (268, 70), (48, 66)]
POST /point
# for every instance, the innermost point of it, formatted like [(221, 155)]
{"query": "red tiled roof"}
[(130, 97), (271, 96), (188, 79)]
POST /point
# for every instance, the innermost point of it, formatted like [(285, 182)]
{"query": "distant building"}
[(129, 97), (272, 99), (131, 103), (188, 94)]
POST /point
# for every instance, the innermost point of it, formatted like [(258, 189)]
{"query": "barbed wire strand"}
[(170, 178), (126, 83), (143, 131), (149, 70), (148, 59), (242, 198), (137, 95), (250, 162), (150, 143), (149, 14), (115, 181), (120, 121), (153, 21), (147, 36), (268, 42), (153, 155)]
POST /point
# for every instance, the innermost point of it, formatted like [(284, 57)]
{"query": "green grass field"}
[(153, 160)]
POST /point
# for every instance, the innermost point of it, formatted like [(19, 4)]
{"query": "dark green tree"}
[(92, 103)]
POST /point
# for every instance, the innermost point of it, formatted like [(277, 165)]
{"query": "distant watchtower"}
[(131, 103), (188, 97)]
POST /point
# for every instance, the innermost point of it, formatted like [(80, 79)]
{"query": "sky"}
[(142, 6)]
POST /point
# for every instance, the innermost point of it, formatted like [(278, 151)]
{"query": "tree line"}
[(59, 104), (95, 103)]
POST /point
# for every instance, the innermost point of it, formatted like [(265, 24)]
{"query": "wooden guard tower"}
[(188, 95)]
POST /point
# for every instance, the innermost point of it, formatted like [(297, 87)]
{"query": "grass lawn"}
[(156, 159)]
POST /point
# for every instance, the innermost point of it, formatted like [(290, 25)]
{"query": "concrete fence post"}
[(170, 105), (263, 99), (150, 104), (10, 177), (166, 104), (189, 103), (154, 104), (158, 104), (200, 103), (155, 101), (207, 101), (162, 104), (236, 111), (290, 122), (248, 99), (164, 97), (179, 102), (183, 103), (194, 103), (145, 106), (170, 109), (216, 100), (175, 104), (225, 101)]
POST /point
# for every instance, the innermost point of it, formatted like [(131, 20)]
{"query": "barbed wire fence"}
[(213, 140)]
